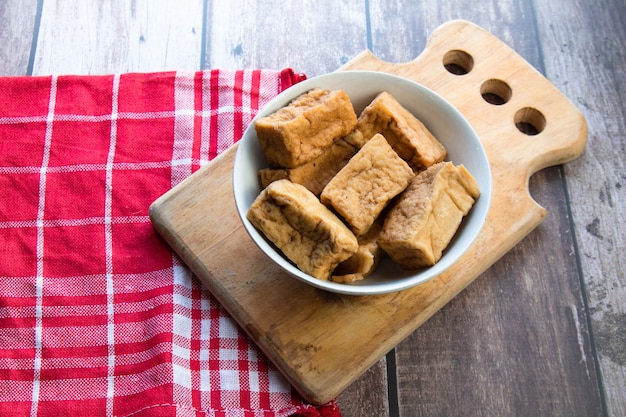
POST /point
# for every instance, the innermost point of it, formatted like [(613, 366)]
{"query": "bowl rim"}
[(362, 288)]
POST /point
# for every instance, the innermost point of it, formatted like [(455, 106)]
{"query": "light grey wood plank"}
[(400, 28), (93, 37), (584, 55), (17, 20), (311, 36)]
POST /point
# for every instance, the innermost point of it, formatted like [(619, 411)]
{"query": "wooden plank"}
[(367, 396), (312, 36), (515, 331), (289, 320), (400, 29), (17, 20), (584, 55), (528, 300), (121, 36)]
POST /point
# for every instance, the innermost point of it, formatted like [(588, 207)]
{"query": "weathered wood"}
[(400, 29), (584, 55), (517, 330), (312, 36), (122, 36), (429, 384), (367, 397), (17, 20)]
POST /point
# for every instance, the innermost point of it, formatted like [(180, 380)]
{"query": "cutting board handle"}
[(519, 115)]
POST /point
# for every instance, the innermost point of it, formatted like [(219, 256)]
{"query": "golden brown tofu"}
[(364, 261), (362, 189), (308, 125), (306, 231), (405, 133), (314, 175), (356, 139), (426, 216)]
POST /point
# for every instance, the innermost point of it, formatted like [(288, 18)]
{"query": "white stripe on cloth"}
[(15, 224), (205, 130), (108, 202), (226, 120), (86, 118), (168, 114), (181, 327), (184, 96), (268, 80), (40, 247), (125, 166), (246, 100)]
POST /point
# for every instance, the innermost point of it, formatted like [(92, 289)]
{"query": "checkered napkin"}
[(97, 315)]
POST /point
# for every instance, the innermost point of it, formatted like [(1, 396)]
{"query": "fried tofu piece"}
[(362, 189), (405, 133), (308, 125), (305, 230), (426, 216), (364, 261), (314, 175), (356, 139)]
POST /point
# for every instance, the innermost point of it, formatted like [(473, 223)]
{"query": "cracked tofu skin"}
[(407, 135), (315, 174), (364, 261), (306, 231), (427, 215), (364, 187), (308, 125)]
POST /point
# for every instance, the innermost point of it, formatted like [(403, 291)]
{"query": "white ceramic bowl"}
[(441, 118)]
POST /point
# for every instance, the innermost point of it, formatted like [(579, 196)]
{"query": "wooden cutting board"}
[(322, 341)]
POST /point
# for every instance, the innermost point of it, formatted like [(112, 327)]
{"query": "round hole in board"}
[(458, 62), (496, 92), (530, 121)]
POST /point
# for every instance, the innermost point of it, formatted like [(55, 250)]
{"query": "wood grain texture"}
[(587, 61), (368, 397), (17, 20), (515, 331), (400, 28), (465, 367), (277, 34), (290, 322), (122, 36)]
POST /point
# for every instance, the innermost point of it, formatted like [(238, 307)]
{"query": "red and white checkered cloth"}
[(97, 315)]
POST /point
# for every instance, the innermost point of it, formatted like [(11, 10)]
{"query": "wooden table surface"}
[(540, 333)]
